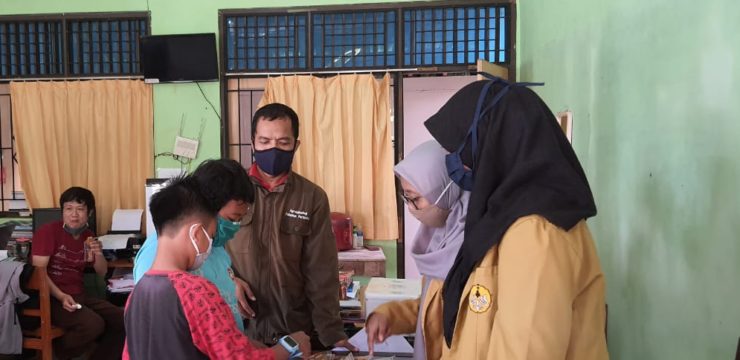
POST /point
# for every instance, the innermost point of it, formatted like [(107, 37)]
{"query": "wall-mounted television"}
[(179, 58)]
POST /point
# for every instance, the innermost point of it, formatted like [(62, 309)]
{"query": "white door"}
[(422, 97)]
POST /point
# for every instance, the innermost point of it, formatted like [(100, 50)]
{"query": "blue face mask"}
[(274, 161), (226, 231)]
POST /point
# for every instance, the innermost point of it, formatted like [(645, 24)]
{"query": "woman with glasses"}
[(440, 206)]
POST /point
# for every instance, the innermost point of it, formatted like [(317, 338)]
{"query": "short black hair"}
[(80, 195), (223, 180), (180, 199), (275, 111)]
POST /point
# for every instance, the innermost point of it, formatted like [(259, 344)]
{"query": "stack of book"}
[(350, 309), (22, 230)]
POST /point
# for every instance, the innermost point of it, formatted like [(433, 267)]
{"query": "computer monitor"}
[(44, 216)]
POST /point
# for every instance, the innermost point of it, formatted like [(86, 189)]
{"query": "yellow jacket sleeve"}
[(536, 285), (401, 315)]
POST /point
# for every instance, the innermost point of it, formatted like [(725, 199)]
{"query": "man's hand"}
[(378, 329), (68, 303), (345, 344), (244, 292)]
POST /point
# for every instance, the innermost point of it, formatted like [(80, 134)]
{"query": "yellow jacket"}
[(402, 317), (546, 300)]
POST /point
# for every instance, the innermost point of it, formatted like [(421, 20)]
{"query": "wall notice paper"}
[(126, 220), (395, 344)]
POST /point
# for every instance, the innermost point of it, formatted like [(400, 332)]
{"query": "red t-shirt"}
[(177, 315), (66, 255)]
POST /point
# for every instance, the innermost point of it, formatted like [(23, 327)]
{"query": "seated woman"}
[(59, 246)]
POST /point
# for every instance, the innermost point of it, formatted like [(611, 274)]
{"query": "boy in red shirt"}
[(172, 314)]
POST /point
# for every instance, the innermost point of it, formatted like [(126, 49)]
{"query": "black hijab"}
[(524, 166)]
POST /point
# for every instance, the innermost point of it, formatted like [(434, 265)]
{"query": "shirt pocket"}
[(293, 233)]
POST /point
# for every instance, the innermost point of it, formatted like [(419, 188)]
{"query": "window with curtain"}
[(96, 133), (437, 37), (11, 192), (345, 134)]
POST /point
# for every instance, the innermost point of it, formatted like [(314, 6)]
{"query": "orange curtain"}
[(94, 134), (345, 133)]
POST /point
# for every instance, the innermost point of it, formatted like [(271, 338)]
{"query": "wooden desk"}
[(363, 262), (121, 263)]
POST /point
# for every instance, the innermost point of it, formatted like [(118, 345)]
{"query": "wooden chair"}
[(41, 338)]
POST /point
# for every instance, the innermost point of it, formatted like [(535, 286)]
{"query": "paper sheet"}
[(395, 344), (361, 255), (126, 220), (115, 241)]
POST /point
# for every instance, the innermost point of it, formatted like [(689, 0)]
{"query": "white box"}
[(383, 290)]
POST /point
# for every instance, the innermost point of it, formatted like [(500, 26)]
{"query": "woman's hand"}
[(378, 329), (68, 303)]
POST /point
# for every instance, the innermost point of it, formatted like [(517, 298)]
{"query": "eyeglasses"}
[(407, 200)]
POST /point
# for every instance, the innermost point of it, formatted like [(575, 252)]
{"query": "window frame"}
[(65, 18), (12, 170), (309, 11)]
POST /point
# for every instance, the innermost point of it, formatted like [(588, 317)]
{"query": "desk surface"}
[(121, 263)]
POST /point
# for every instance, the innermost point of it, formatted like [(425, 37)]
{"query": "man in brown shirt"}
[(285, 250)]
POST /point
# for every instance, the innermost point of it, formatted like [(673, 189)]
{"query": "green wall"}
[(655, 91)]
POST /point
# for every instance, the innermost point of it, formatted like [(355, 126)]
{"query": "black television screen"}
[(173, 58)]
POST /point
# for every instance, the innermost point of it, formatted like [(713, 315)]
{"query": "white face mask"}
[(200, 257), (433, 215)]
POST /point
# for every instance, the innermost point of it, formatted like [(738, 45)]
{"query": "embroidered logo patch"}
[(479, 299), (297, 214)]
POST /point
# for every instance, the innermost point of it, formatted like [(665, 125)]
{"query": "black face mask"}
[(274, 161)]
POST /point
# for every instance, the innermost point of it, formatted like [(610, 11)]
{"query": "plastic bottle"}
[(89, 255), (359, 238)]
